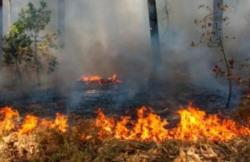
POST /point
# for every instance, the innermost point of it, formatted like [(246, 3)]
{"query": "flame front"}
[(194, 125)]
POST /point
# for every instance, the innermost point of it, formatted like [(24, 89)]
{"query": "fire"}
[(96, 79), (30, 123), (194, 125), (9, 117), (90, 79), (148, 126), (114, 79), (10, 122), (61, 122), (106, 124)]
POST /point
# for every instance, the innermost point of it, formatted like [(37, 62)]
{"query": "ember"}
[(95, 79)]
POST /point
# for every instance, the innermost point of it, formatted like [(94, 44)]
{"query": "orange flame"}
[(9, 122), (61, 122), (9, 118), (29, 124), (90, 79), (148, 126), (106, 124), (194, 125), (96, 79)]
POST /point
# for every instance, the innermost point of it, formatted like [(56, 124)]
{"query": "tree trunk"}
[(18, 73), (9, 5), (61, 22), (229, 74), (218, 21), (37, 63), (1, 29), (218, 40), (154, 33)]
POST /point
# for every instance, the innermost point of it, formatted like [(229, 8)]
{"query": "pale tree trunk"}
[(61, 22), (219, 40), (218, 21), (9, 6), (37, 62), (154, 33), (229, 74), (18, 72), (1, 30)]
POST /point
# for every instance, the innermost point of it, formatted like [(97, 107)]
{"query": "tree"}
[(154, 32), (218, 40), (9, 4), (26, 47), (213, 36), (217, 21), (17, 47), (61, 21), (1, 26)]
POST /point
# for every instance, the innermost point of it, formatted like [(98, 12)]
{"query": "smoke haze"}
[(110, 36)]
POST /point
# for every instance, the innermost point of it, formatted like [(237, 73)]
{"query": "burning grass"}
[(197, 137), (194, 125)]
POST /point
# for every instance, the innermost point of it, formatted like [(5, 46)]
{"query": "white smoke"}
[(111, 36)]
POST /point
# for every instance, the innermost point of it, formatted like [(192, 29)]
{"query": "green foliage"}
[(17, 44), (35, 19), (27, 46)]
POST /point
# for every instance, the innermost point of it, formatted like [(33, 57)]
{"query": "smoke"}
[(110, 36), (106, 37), (239, 27)]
